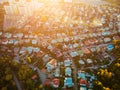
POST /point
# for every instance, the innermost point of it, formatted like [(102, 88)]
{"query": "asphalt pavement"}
[(16, 81)]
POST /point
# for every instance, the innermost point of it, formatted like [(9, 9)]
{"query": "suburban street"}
[(17, 81)]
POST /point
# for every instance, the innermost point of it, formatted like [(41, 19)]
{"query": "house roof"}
[(53, 41), (67, 62), (110, 46), (116, 38), (16, 49), (68, 71), (51, 65), (57, 72), (22, 50), (74, 54), (89, 61), (47, 82), (86, 43), (53, 62), (45, 58), (50, 47), (4, 41), (8, 35), (83, 88), (86, 50), (75, 45), (34, 41), (107, 39), (58, 53), (83, 82), (80, 52), (37, 49), (81, 62), (40, 54), (81, 74), (93, 49), (66, 39), (68, 82), (56, 81), (20, 35), (30, 49), (1, 33)]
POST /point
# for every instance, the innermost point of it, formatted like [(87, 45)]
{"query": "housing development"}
[(59, 45)]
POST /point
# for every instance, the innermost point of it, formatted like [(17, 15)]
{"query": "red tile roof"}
[(86, 43), (82, 82), (56, 81), (86, 50)]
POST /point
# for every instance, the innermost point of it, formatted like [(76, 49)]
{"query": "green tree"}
[(8, 77)]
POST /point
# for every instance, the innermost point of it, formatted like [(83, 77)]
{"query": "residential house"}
[(73, 53), (52, 64), (22, 50), (93, 49), (7, 35), (16, 50), (40, 54), (46, 58), (83, 88), (81, 62), (56, 82), (68, 82), (89, 61), (67, 62), (80, 52), (86, 43), (83, 82), (20, 35), (86, 51), (110, 47), (36, 49), (57, 72), (34, 41), (4, 41), (107, 39), (57, 52), (81, 74), (116, 37), (29, 49), (68, 71)]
